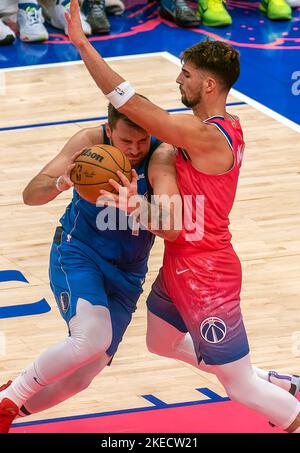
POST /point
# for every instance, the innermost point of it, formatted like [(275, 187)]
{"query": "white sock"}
[(91, 335), (59, 391), (23, 386)]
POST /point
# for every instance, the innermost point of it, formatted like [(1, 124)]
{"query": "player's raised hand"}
[(75, 31)]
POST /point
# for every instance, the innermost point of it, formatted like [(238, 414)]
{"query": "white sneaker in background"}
[(293, 3), (57, 18), (31, 23), (7, 36)]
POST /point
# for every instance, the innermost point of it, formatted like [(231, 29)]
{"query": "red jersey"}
[(201, 273), (208, 199)]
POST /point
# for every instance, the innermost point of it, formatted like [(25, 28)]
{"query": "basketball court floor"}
[(47, 98)]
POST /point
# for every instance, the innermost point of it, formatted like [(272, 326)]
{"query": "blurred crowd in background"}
[(26, 18)]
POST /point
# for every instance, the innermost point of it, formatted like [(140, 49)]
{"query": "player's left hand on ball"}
[(127, 197), (131, 187)]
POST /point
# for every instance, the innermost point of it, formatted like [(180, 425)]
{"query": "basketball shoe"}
[(96, 15), (7, 36), (8, 411), (213, 13), (58, 20), (31, 23), (289, 382), (179, 12), (276, 9), (293, 3)]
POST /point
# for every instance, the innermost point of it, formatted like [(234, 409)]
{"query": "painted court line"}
[(80, 62), (212, 397), (172, 58), (83, 120)]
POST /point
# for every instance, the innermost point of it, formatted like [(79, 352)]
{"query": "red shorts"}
[(203, 292)]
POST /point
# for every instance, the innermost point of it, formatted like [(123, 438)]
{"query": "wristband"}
[(121, 94), (57, 183)]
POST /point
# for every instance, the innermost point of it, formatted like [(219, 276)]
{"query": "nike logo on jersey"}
[(178, 271), (141, 176)]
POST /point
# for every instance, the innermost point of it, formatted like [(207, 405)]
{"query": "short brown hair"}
[(217, 57), (114, 116)]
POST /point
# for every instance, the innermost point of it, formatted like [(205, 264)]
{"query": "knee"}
[(153, 342), (233, 392), (158, 344), (241, 391), (91, 331), (91, 342), (99, 337), (96, 345)]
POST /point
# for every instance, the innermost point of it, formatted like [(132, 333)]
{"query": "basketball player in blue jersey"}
[(205, 80), (96, 275)]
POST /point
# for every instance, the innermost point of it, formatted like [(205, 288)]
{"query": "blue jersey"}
[(122, 246)]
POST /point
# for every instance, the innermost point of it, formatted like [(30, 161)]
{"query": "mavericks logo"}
[(64, 301), (213, 329)]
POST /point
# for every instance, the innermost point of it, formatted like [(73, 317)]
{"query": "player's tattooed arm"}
[(163, 213), (157, 216), (166, 202)]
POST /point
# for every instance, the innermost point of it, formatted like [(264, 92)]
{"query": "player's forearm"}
[(105, 77), (158, 218), (41, 190), (152, 117)]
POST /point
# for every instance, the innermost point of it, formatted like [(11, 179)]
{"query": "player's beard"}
[(192, 101)]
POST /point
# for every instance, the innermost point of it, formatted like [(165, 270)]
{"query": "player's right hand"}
[(64, 182)]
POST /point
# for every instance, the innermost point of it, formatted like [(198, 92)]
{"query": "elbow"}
[(29, 199), (26, 198)]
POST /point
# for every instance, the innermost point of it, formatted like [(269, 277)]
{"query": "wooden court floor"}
[(265, 225)]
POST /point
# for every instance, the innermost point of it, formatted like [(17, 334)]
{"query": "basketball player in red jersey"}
[(198, 289)]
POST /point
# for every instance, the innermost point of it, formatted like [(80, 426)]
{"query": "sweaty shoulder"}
[(97, 134), (162, 162), (164, 154), (155, 143), (162, 170)]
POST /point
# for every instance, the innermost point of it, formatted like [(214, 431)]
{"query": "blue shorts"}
[(76, 271)]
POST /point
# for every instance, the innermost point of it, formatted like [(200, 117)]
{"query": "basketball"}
[(95, 166)]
